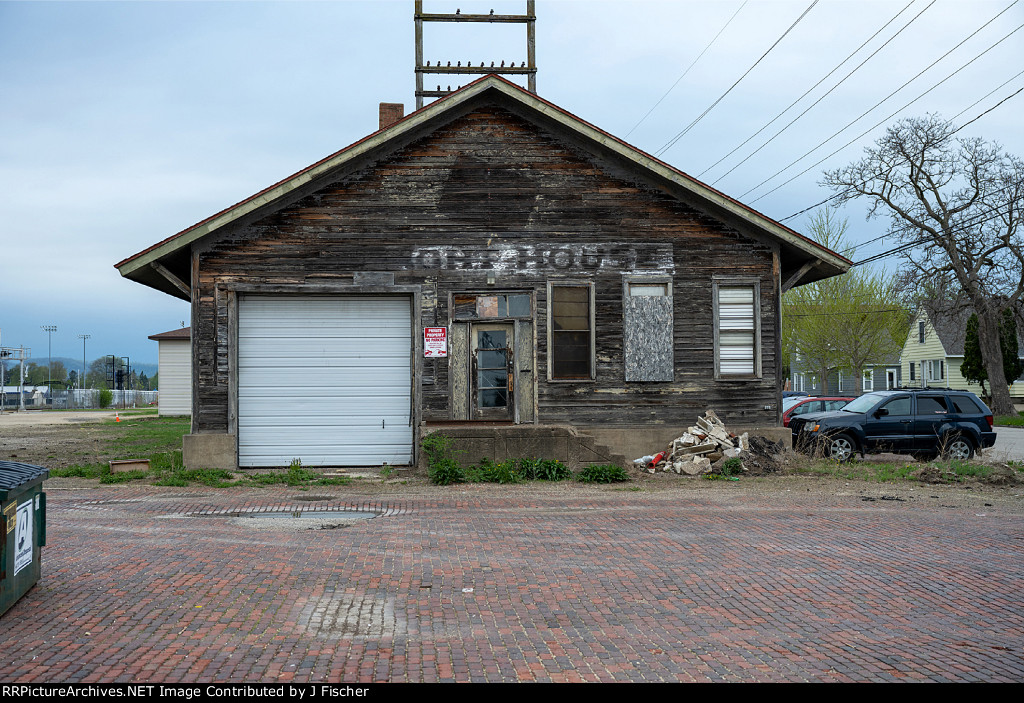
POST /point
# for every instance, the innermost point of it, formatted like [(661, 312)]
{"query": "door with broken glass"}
[(492, 355)]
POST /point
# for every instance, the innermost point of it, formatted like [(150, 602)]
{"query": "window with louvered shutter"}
[(736, 344)]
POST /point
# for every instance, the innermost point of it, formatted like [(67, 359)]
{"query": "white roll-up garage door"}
[(324, 379)]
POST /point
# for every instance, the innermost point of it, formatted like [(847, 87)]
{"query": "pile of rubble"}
[(704, 446)]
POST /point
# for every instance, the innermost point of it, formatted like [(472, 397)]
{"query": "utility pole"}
[(21, 381), (527, 68), (81, 379), (50, 329)]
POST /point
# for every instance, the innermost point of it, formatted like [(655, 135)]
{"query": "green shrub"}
[(442, 467), (488, 471), (603, 473), (543, 470), (444, 472), (106, 397), (732, 466)]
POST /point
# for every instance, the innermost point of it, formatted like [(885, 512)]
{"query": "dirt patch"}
[(54, 446)]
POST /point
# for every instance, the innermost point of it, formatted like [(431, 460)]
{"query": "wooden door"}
[(492, 378)]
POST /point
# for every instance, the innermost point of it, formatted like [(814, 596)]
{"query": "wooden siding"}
[(492, 195)]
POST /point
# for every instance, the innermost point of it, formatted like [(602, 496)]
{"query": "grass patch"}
[(145, 435), (894, 472), (1009, 420)]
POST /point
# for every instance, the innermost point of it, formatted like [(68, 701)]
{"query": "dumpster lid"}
[(14, 475)]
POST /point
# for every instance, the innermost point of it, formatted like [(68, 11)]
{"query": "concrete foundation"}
[(210, 451), (567, 444)]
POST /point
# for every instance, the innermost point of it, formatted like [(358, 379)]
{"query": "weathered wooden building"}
[(568, 279)]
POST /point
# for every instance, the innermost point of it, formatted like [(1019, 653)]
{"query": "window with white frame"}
[(737, 329), (840, 381), (868, 381)]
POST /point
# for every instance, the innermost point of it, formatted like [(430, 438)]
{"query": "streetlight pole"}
[(50, 329), (81, 379)]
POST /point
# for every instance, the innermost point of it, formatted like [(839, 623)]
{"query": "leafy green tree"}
[(58, 373), (973, 370), (845, 322)]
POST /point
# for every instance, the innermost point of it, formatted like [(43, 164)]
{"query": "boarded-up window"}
[(571, 351), (647, 330), (736, 344)]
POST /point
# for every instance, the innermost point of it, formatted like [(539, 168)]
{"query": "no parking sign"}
[(435, 342)]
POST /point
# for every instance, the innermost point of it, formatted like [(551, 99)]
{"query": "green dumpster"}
[(23, 504)]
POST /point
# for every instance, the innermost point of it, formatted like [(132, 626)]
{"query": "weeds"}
[(603, 473), (442, 467)]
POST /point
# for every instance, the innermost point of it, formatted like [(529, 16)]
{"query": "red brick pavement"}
[(610, 586)]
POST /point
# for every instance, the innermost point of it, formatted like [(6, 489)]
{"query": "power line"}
[(836, 314), (823, 79), (868, 131), (975, 119), (958, 228), (970, 221), (724, 27), (690, 126), (881, 102)]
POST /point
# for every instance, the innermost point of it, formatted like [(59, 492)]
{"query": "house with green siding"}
[(934, 351)]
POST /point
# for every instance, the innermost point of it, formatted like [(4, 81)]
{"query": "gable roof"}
[(166, 264), (184, 333), (950, 325)]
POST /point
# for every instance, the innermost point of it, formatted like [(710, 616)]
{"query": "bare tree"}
[(954, 205)]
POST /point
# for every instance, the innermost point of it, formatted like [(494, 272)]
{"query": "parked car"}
[(926, 422), (790, 401), (814, 405)]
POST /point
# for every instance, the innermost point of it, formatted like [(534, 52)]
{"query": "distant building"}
[(934, 352), (175, 371)]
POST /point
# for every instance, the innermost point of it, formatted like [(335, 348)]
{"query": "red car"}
[(814, 405)]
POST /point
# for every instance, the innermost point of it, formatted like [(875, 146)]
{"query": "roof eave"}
[(139, 266)]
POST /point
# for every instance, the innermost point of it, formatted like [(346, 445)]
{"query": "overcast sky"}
[(125, 122)]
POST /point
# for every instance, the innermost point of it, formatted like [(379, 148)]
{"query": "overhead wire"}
[(694, 63), (690, 126), (958, 228), (867, 131), (808, 91), (950, 120)]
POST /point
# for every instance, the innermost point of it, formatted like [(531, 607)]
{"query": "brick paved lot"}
[(607, 585)]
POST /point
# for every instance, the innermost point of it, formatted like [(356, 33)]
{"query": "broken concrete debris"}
[(705, 445)]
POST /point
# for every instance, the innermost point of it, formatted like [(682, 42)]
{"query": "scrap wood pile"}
[(704, 446)]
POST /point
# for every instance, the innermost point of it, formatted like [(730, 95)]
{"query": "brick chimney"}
[(391, 113)]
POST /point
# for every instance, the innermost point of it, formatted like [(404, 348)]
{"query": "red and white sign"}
[(435, 342)]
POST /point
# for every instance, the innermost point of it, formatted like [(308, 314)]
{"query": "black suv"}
[(926, 422)]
